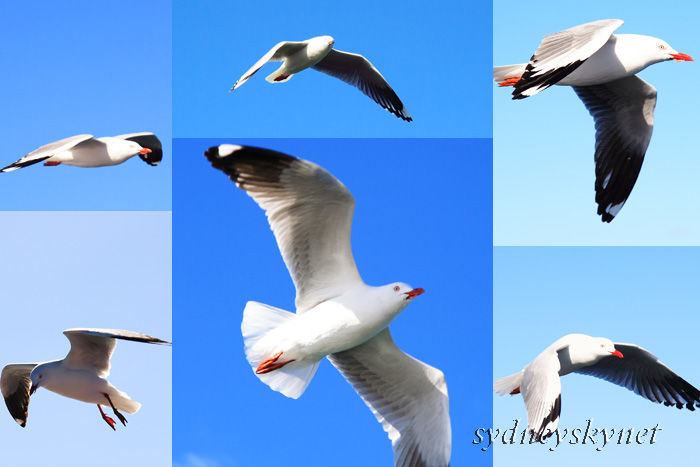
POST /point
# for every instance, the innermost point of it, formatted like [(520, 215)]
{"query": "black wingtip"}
[(150, 141)]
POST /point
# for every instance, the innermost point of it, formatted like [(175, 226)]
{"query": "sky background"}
[(404, 230), (63, 270), (437, 59), (544, 145), (645, 296), (79, 67)]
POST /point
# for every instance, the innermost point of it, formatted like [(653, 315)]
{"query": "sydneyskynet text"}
[(589, 435)]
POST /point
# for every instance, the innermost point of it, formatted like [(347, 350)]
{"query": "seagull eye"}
[(662, 47), (396, 288), (602, 345)]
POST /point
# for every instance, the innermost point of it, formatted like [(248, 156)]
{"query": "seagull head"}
[(607, 348), (668, 53)]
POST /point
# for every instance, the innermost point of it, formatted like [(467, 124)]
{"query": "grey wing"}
[(15, 383), (541, 390), (46, 152), (310, 213), (561, 53), (408, 397), (357, 71), (623, 111), (91, 349), (641, 372), (278, 53)]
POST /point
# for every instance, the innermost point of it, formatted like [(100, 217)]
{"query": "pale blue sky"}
[(405, 228), (544, 145), (77, 67), (63, 270), (645, 296), (436, 58)]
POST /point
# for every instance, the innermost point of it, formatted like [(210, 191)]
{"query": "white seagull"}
[(318, 53), (623, 364), (338, 315), (601, 67), (81, 375), (88, 151)]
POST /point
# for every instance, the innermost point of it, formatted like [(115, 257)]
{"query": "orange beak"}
[(682, 58)]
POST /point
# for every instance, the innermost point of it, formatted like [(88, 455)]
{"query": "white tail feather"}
[(258, 321), (506, 385), (502, 73)]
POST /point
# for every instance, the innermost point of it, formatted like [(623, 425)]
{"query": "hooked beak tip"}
[(682, 57), (32, 390), (617, 353), (415, 292)]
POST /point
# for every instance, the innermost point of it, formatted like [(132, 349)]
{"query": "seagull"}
[(337, 314), (318, 53), (601, 67), (626, 365), (81, 375), (88, 151)]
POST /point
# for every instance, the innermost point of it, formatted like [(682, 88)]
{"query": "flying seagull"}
[(81, 375), (88, 151), (623, 364), (318, 53), (337, 314), (602, 68)]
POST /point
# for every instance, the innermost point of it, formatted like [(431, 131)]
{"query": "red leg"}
[(515, 391), (116, 412), (281, 77), (52, 163), (271, 364), (509, 82), (109, 420)]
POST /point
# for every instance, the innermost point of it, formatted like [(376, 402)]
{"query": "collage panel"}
[(544, 145), (406, 226), (643, 299), (81, 68), (86, 270), (414, 48)]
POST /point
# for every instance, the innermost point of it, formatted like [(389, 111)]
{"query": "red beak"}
[(682, 58), (617, 353), (32, 390), (145, 151), (415, 292)]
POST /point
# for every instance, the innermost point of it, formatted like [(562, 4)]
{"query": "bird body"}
[(87, 151), (601, 67), (623, 364)]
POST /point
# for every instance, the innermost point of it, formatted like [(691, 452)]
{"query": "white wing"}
[(623, 111), (91, 349), (46, 152), (640, 371), (357, 71), (408, 397), (310, 213), (561, 53), (15, 383), (541, 390), (276, 54)]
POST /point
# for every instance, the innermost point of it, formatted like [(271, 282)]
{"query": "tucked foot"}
[(116, 412), (271, 364), (106, 418), (281, 77), (509, 82), (515, 391), (52, 163)]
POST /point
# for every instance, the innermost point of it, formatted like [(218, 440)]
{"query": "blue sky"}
[(438, 65), (404, 229), (641, 295), (79, 67), (62, 270), (544, 145)]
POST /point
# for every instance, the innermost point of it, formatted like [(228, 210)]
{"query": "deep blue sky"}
[(641, 295), (406, 228), (79, 67), (436, 58), (88, 269), (544, 145)]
